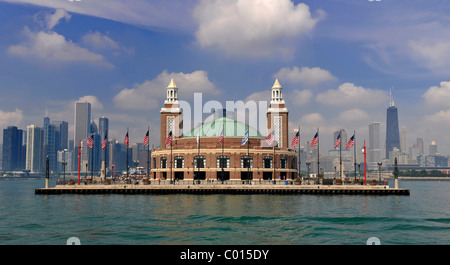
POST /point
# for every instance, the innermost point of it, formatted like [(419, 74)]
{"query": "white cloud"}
[(350, 95), (434, 54), (312, 120), (171, 14), (301, 97), (53, 47), (95, 103), (252, 28), (438, 96), (305, 75), (352, 115), (149, 94), (53, 19), (13, 118), (102, 42)]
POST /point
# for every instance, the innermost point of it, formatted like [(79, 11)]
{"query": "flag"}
[(146, 139), (105, 142), (350, 143), (338, 140), (127, 140), (221, 137), (296, 139), (169, 139), (90, 141), (315, 140), (245, 138), (270, 138)]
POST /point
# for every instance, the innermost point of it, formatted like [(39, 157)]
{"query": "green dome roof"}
[(231, 128)]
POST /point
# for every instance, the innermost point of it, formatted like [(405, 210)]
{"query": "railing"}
[(311, 181)]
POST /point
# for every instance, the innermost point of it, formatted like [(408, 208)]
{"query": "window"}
[(154, 162), (163, 162), (199, 161), (283, 162), (179, 162), (267, 162), (223, 161), (246, 162)]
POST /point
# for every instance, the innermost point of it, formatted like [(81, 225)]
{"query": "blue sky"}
[(336, 61)]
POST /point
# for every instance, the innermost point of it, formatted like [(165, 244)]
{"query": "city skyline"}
[(337, 72)]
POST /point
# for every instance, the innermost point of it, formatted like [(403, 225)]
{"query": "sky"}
[(335, 59)]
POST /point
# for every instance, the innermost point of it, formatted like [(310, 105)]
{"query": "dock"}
[(224, 189)]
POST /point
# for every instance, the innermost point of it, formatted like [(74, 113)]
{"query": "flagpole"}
[(340, 155), (106, 147), (248, 154), (148, 155), (171, 158), (354, 149), (299, 162), (274, 174), (223, 140), (318, 162), (92, 158), (79, 160), (127, 152)]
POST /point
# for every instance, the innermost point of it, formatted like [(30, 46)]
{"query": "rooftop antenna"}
[(391, 98)]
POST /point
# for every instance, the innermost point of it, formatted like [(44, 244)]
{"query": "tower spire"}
[(391, 98)]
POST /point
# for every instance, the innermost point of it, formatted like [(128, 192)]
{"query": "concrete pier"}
[(224, 189)]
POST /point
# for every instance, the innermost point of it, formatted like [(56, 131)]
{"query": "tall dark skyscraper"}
[(12, 148), (392, 130)]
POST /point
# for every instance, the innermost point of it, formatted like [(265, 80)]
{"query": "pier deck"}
[(223, 189)]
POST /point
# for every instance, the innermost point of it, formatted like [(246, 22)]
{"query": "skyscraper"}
[(373, 149), (50, 145), (12, 148), (392, 131), (82, 125), (403, 141), (62, 129), (34, 148)]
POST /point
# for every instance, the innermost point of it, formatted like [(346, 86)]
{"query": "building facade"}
[(215, 150)]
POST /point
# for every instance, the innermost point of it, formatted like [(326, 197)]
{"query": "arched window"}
[(223, 161), (199, 161), (283, 162), (179, 162), (163, 162), (267, 162), (246, 162)]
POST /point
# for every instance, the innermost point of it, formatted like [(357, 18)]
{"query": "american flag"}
[(270, 138), (338, 140), (350, 143), (169, 139), (127, 140), (296, 139), (221, 137), (315, 140), (105, 141), (90, 141), (146, 139)]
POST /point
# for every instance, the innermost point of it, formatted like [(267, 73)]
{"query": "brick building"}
[(199, 154)]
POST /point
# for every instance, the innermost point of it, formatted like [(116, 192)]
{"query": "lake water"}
[(421, 218)]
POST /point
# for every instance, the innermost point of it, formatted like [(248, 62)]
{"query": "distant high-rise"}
[(62, 130), (433, 148), (34, 148), (392, 130), (50, 145), (12, 148), (374, 151), (82, 125), (403, 141)]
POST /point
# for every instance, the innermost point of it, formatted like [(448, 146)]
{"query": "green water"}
[(421, 218)]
